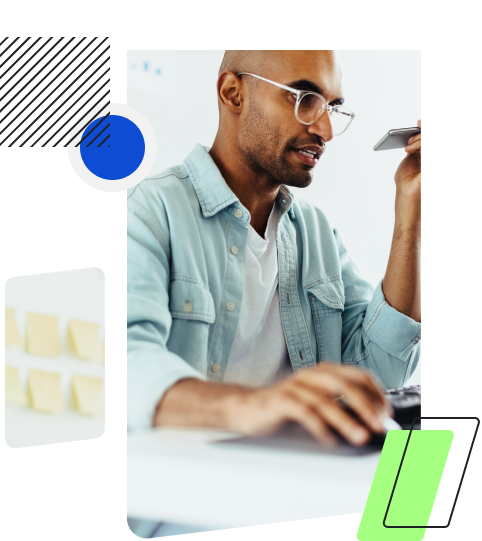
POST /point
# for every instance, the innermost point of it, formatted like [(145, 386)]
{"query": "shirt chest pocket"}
[(192, 310), (191, 299), (327, 301)]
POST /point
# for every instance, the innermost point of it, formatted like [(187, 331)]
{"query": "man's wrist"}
[(193, 402), (407, 216), (407, 227), (236, 407)]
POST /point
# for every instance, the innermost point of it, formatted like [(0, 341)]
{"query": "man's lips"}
[(316, 149), (309, 155)]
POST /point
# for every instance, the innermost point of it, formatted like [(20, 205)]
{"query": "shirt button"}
[(238, 213), (215, 367), (234, 250), (230, 306), (187, 307)]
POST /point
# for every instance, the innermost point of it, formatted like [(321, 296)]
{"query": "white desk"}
[(180, 476)]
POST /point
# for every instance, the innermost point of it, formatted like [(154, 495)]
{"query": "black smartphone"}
[(396, 138)]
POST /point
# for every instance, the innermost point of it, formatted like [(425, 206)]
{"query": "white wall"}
[(352, 184)]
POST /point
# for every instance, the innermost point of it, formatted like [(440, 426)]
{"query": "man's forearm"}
[(401, 285), (196, 403)]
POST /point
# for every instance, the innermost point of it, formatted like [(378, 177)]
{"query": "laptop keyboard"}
[(407, 403)]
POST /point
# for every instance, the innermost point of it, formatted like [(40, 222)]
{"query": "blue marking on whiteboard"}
[(146, 66)]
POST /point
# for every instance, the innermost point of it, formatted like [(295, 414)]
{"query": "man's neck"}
[(260, 227), (253, 195)]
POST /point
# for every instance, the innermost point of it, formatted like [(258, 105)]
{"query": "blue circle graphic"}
[(113, 157)]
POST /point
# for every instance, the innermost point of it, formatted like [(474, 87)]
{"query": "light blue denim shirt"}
[(185, 288)]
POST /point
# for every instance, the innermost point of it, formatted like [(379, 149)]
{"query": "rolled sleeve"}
[(151, 372), (151, 368), (392, 331), (375, 335)]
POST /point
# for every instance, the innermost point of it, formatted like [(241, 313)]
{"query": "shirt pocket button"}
[(187, 307)]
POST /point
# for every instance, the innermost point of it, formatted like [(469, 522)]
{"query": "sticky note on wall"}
[(45, 393), (88, 396), (42, 335), (14, 393), (12, 334), (85, 340)]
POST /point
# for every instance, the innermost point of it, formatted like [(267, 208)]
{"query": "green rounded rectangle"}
[(415, 490)]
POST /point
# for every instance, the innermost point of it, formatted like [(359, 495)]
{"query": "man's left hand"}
[(408, 176)]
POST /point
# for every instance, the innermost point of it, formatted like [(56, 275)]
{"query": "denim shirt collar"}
[(212, 190)]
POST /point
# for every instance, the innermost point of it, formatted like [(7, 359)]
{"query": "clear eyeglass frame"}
[(300, 94)]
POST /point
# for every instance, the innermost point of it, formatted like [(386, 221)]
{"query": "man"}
[(244, 309)]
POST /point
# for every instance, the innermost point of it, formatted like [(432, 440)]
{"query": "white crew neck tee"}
[(259, 356)]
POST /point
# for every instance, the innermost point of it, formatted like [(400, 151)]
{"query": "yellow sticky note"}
[(43, 335), (88, 396), (12, 334), (14, 393), (85, 340), (45, 392)]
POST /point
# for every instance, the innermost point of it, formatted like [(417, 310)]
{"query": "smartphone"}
[(396, 138)]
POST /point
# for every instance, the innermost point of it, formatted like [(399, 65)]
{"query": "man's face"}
[(270, 137)]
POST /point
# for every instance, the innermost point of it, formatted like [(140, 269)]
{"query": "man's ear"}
[(228, 91)]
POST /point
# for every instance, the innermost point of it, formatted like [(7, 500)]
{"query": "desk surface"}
[(184, 476)]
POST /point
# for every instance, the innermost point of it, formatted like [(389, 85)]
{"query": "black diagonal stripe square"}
[(50, 87)]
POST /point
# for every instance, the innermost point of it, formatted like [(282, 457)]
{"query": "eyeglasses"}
[(310, 106)]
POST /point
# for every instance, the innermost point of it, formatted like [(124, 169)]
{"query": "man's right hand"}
[(311, 397)]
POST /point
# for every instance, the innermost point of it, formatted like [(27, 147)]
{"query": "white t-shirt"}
[(259, 355)]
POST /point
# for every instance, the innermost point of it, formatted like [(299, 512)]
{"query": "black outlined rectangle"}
[(461, 480)]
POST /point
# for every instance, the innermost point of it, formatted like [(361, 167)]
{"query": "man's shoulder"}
[(314, 226), (160, 201), (166, 179), (309, 212)]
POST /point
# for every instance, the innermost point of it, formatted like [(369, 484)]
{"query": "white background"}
[(77, 294), (352, 184)]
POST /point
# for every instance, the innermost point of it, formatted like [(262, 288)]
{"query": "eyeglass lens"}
[(311, 107)]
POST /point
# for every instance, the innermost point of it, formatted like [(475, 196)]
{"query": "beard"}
[(262, 151)]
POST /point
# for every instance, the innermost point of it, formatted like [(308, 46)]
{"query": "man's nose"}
[(322, 127)]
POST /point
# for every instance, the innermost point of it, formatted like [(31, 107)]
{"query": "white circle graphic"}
[(118, 185)]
